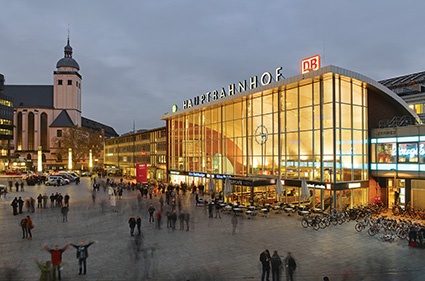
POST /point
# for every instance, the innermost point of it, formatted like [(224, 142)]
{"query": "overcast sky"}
[(139, 57)]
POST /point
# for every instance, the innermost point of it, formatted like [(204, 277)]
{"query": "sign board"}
[(142, 172), (310, 64)]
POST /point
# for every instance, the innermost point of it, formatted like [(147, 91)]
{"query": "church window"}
[(31, 131), (43, 131), (59, 133), (60, 82), (69, 82)]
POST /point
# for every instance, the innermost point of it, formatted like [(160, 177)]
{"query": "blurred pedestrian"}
[(139, 225), (234, 223), (151, 211), (66, 199), (45, 270), (20, 204), (114, 203), (65, 210), (290, 266), (56, 259), (14, 205), (82, 255), (24, 227), (276, 264), (158, 219), (186, 219), (45, 198), (132, 224), (30, 226)]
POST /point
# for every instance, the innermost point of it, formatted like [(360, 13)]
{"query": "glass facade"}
[(315, 128)]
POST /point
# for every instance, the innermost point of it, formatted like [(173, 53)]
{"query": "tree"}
[(81, 140)]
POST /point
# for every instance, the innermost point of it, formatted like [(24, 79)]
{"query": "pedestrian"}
[(64, 211), (17, 186), (52, 200), (14, 205), (186, 219), (24, 227), (20, 204), (290, 266), (234, 223), (210, 209), (276, 264), (45, 270), (139, 225), (181, 220), (82, 255), (158, 219), (93, 196), (30, 226), (56, 259), (114, 203), (66, 199), (151, 211), (45, 198), (132, 224), (32, 204), (217, 209), (22, 186), (265, 263), (173, 220), (39, 201)]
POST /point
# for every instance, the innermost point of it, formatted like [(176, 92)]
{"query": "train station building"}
[(319, 134)]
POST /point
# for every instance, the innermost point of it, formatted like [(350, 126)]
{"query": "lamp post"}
[(39, 159), (90, 160), (70, 159)]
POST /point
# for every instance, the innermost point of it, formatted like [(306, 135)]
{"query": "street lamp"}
[(39, 159), (90, 160), (70, 159)]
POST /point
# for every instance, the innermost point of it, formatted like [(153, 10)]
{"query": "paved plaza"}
[(208, 251)]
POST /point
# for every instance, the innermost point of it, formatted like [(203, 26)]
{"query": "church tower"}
[(67, 87)]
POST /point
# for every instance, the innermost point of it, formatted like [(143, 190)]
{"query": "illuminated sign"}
[(354, 185), (265, 79), (310, 64)]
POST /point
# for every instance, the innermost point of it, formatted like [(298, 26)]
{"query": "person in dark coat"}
[(20, 204), (14, 205), (24, 227), (276, 263), (132, 224), (82, 255), (173, 220), (290, 266), (139, 225), (265, 262)]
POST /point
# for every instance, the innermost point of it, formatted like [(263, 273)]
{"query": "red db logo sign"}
[(309, 64)]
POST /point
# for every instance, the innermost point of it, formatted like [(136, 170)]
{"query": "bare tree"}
[(80, 140)]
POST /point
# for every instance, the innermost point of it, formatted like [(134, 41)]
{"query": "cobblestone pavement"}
[(208, 251)]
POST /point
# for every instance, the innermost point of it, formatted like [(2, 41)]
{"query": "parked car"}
[(53, 180), (86, 174)]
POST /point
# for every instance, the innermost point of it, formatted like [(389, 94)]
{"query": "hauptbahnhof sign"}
[(242, 86)]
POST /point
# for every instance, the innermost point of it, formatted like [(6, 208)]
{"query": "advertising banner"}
[(142, 172)]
